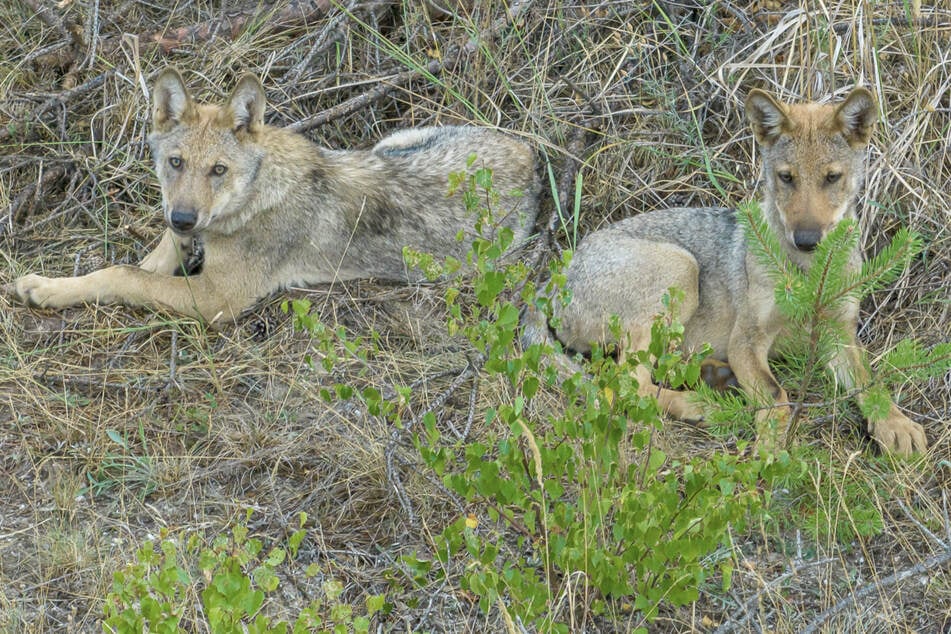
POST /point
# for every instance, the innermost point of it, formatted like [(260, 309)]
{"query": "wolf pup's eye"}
[(175, 162), (218, 169), (786, 177), (833, 177)]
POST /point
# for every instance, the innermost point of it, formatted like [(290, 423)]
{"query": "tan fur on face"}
[(811, 172)]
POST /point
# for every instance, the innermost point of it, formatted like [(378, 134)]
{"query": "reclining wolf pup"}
[(813, 160), (269, 209)]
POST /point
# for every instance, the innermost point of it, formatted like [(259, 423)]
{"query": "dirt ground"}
[(119, 423)]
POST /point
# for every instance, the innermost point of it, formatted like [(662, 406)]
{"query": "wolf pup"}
[(263, 208), (813, 168)]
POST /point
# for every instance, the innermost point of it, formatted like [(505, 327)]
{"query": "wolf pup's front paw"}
[(899, 434), (42, 292)]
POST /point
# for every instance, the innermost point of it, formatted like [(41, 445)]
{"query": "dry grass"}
[(215, 422)]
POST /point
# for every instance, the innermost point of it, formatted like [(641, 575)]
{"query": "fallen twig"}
[(375, 94), (563, 212), (580, 136), (747, 609), (392, 473), (59, 99), (65, 53), (922, 22), (389, 84), (333, 31), (470, 416), (295, 13), (935, 561), (94, 386), (924, 529), (49, 17), (31, 193)]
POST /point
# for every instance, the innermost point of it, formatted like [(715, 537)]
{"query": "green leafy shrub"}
[(584, 492), (157, 591)]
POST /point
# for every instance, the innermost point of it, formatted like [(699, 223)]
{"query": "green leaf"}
[(375, 603), (276, 557)]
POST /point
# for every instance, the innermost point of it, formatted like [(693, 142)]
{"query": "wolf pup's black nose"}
[(807, 239), (183, 221)]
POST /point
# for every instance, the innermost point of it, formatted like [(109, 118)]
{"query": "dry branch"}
[(587, 125), (296, 13), (31, 193), (396, 437), (63, 54), (46, 14), (913, 23), (333, 31), (59, 99), (434, 67), (931, 563), (580, 139), (378, 92), (748, 609)]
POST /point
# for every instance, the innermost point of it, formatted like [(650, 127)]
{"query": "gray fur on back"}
[(722, 249), (403, 196)]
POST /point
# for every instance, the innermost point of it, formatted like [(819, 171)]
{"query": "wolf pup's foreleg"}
[(896, 432), (748, 354), (167, 257), (132, 286)]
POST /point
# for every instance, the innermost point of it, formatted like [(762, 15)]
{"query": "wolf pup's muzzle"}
[(183, 221), (807, 239)]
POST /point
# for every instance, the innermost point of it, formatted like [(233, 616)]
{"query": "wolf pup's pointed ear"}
[(766, 115), (171, 102), (246, 105), (856, 116)]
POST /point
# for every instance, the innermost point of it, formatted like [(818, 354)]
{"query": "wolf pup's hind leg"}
[(613, 273)]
